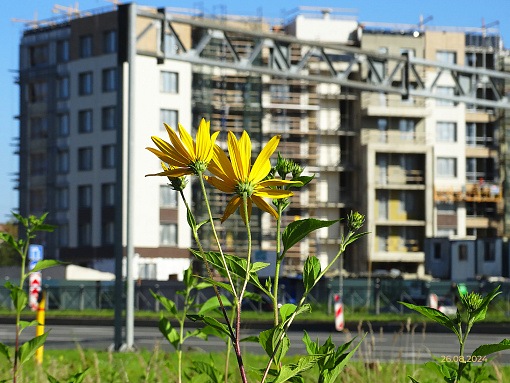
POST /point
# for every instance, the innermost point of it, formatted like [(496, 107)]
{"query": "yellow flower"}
[(238, 176), (183, 155)]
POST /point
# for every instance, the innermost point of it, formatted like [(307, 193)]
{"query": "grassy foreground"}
[(158, 366)]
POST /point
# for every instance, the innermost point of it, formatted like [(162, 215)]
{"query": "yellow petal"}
[(231, 207), (209, 155), (178, 172), (224, 186), (260, 172), (203, 142), (273, 193), (277, 182), (170, 157), (244, 145), (178, 146), (220, 165), (235, 157), (260, 162), (263, 205), (186, 141)]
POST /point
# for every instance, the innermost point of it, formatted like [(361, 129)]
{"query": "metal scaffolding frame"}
[(409, 76)]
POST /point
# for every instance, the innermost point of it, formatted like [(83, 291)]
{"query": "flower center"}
[(245, 187), (198, 166)]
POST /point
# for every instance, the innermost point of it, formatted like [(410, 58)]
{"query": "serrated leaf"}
[(46, 264), (341, 362), (214, 323), (169, 332), (28, 349), (18, 296), (168, 304), (480, 313), (24, 324), (213, 303), (4, 350), (436, 315), (287, 310), (299, 229), (270, 342), (256, 266), (311, 271), (312, 347), (289, 371), (487, 349)]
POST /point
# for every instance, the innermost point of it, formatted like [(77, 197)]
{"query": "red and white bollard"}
[(339, 313)]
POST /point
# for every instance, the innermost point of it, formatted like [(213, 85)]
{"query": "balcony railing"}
[(392, 137)]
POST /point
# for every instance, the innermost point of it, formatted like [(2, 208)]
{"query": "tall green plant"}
[(250, 184), (473, 308), (24, 352)]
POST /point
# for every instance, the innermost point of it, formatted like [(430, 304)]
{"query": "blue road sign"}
[(35, 254)]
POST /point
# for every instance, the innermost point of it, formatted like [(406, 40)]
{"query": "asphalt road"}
[(385, 346)]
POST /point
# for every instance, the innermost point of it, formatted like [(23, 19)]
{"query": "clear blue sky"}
[(464, 13)]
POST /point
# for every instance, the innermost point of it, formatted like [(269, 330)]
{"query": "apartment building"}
[(94, 88)]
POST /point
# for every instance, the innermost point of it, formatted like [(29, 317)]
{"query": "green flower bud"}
[(354, 221)]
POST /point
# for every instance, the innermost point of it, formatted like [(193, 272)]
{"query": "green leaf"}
[(299, 229), (435, 315), (311, 271), (203, 223), (355, 237), (305, 363), (28, 349), (213, 303), (78, 377), (341, 362), (191, 220), (256, 266), (52, 379), (214, 323), (18, 296), (45, 264), (24, 324), (488, 349), (311, 346), (479, 314), (4, 350), (169, 332), (304, 180), (412, 379), (269, 340), (287, 310), (168, 304), (188, 278)]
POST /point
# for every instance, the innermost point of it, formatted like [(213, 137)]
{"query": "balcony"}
[(373, 136)]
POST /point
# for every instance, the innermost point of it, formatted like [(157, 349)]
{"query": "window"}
[(63, 162), (62, 51), (63, 124), (85, 46), (463, 252), (108, 194), (63, 87), (85, 158), (168, 234), (62, 198), (107, 233), (110, 42), (167, 197), (446, 208), (108, 156), (39, 55), (109, 80), (85, 83), (446, 167), (280, 123), (63, 235), (407, 129), (85, 121), (85, 196), (280, 92), (147, 271), (38, 127), (470, 133), (84, 234), (108, 120), (446, 131), (169, 82), (170, 43), (448, 91), (37, 164), (170, 117), (490, 251), (447, 57), (37, 91), (437, 251), (37, 199)]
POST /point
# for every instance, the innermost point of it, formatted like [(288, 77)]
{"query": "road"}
[(408, 347)]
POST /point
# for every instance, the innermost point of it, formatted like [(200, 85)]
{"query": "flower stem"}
[(279, 259)]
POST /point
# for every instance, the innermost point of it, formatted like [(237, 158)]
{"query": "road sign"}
[(35, 253), (34, 289)]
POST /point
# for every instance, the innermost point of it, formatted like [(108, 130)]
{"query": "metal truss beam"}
[(275, 55)]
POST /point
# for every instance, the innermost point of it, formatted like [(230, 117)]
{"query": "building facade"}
[(95, 88)]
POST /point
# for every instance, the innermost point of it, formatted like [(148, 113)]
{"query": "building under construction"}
[(404, 123)]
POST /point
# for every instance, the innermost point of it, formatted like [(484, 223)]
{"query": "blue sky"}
[(462, 13)]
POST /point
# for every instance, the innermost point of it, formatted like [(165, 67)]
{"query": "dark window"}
[(463, 252), (38, 127), (85, 158), (108, 194), (84, 234), (63, 51), (490, 252), (85, 121), (85, 84), (63, 87), (37, 91), (437, 251), (108, 156), (39, 55), (86, 46), (37, 164), (108, 118), (110, 42), (109, 80), (63, 161), (63, 124), (84, 196)]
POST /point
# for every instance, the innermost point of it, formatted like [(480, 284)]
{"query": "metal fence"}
[(380, 296)]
